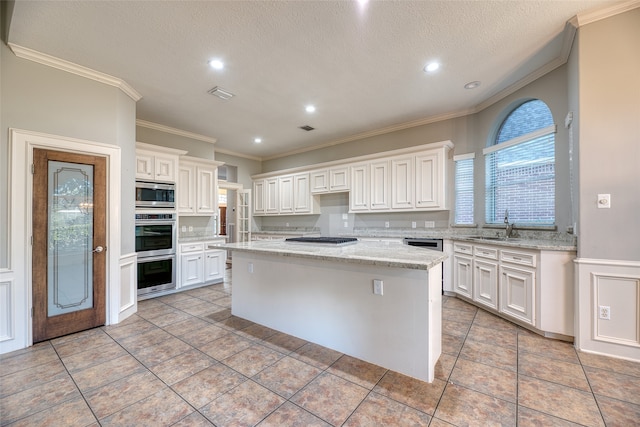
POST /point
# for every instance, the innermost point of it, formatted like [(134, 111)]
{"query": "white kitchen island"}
[(325, 294)]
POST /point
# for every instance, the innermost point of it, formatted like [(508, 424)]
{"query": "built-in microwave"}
[(155, 195)]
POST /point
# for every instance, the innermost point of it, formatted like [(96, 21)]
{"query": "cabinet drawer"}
[(463, 248), (191, 247), (520, 258), (484, 252)]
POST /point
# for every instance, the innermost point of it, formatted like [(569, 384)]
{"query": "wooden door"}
[(69, 243)]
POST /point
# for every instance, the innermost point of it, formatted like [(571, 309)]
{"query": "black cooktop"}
[(327, 240)]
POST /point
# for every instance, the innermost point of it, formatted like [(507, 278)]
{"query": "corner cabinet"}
[(197, 186), (156, 163)]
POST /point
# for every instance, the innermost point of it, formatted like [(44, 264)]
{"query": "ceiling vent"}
[(307, 128), (220, 93)]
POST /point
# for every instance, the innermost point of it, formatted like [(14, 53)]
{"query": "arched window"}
[(520, 168)]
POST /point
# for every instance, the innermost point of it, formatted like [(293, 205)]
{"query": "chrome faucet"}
[(509, 230)]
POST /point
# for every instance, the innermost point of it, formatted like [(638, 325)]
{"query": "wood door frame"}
[(21, 145)]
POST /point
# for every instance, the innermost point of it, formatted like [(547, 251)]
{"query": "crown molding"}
[(606, 12), (174, 131), (236, 154), (70, 67)]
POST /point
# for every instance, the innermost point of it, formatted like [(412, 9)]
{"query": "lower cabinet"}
[(485, 281), (517, 292), (200, 265), (463, 275)]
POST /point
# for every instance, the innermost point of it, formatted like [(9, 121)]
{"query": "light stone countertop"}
[(539, 244), (383, 254), (192, 239)]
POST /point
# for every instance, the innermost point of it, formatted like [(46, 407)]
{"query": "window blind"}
[(464, 190)]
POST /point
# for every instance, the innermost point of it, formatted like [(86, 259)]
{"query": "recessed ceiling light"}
[(216, 64), (310, 109), (257, 140), (472, 85), (431, 67)]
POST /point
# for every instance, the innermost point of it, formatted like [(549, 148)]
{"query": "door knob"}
[(99, 249)]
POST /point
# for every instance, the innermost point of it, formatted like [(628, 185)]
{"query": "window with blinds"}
[(520, 172), (464, 189)]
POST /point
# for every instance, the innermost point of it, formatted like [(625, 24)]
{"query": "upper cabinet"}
[(410, 179), (197, 186), (156, 163)]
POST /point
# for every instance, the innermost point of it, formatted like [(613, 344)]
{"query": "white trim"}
[(464, 156), (70, 67), (128, 284), (160, 149), (7, 306), (230, 185), (607, 262), (21, 145), (519, 140), (236, 154), (606, 12), (595, 288), (174, 131)]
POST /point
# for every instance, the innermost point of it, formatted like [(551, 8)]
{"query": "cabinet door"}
[(428, 181), (339, 179), (144, 167), (206, 202), (165, 169), (485, 283), (517, 292), (186, 190), (319, 181), (463, 275), (214, 265), (285, 188), (380, 186), (272, 205), (259, 207), (191, 269), (243, 216), (301, 193), (402, 180), (359, 195)]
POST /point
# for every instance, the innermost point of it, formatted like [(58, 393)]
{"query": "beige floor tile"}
[(436, 422), (485, 379), (464, 407), (203, 308), (620, 366), (226, 346), (290, 415), (160, 409), (456, 328), (219, 315), (24, 360), (117, 395), (253, 359), (547, 347), (107, 372), (495, 337), (358, 371), (530, 418), (144, 340), (245, 405), (451, 344), (283, 343), (175, 298), (34, 348), (201, 336), (487, 320), (182, 366), (186, 326), (444, 366), (83, 343), (458, 304), (287, 376), (36, 399), (170, 318), (208, 384), (331, 398), (463, 316), (316, 355), (486, 353), (618, 413), (74, 412), (235, 323), (378, 410), (560, 401), (195, 419), (256, 332), (610, 384), (553, 370), (410, 391), (158, 353), (120, 332), (27, 378), (94, 356), (149, 311)]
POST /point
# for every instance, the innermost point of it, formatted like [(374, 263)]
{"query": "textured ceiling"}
[(360, 66)]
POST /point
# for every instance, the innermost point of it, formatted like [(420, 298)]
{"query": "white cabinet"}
[(517, 292), (285, 196), (463, 274), (271, 196), (430, 180), (339, 179), (485, 276), (243, 215), (259, 206), (155, 163), (359, 195), (402, 183), (380, 185), (201, 265), (302, 199), (197, 186), (319, 181)]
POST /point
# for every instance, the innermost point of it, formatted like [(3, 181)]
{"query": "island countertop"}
[(384, 254)]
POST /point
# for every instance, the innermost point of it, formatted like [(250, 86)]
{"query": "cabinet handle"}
[(517, 259)]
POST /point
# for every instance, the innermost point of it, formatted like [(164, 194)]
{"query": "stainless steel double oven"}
[(156, 249)]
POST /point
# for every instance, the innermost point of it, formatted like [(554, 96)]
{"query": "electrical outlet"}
[(413, 224), (191, 229), (345, 216), (604, 312), (378, 286), (287, 224), (184, 228), (386, 224), (250, 267), (346, 224)]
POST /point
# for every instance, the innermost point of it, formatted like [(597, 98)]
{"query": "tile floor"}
[(183, 360)]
